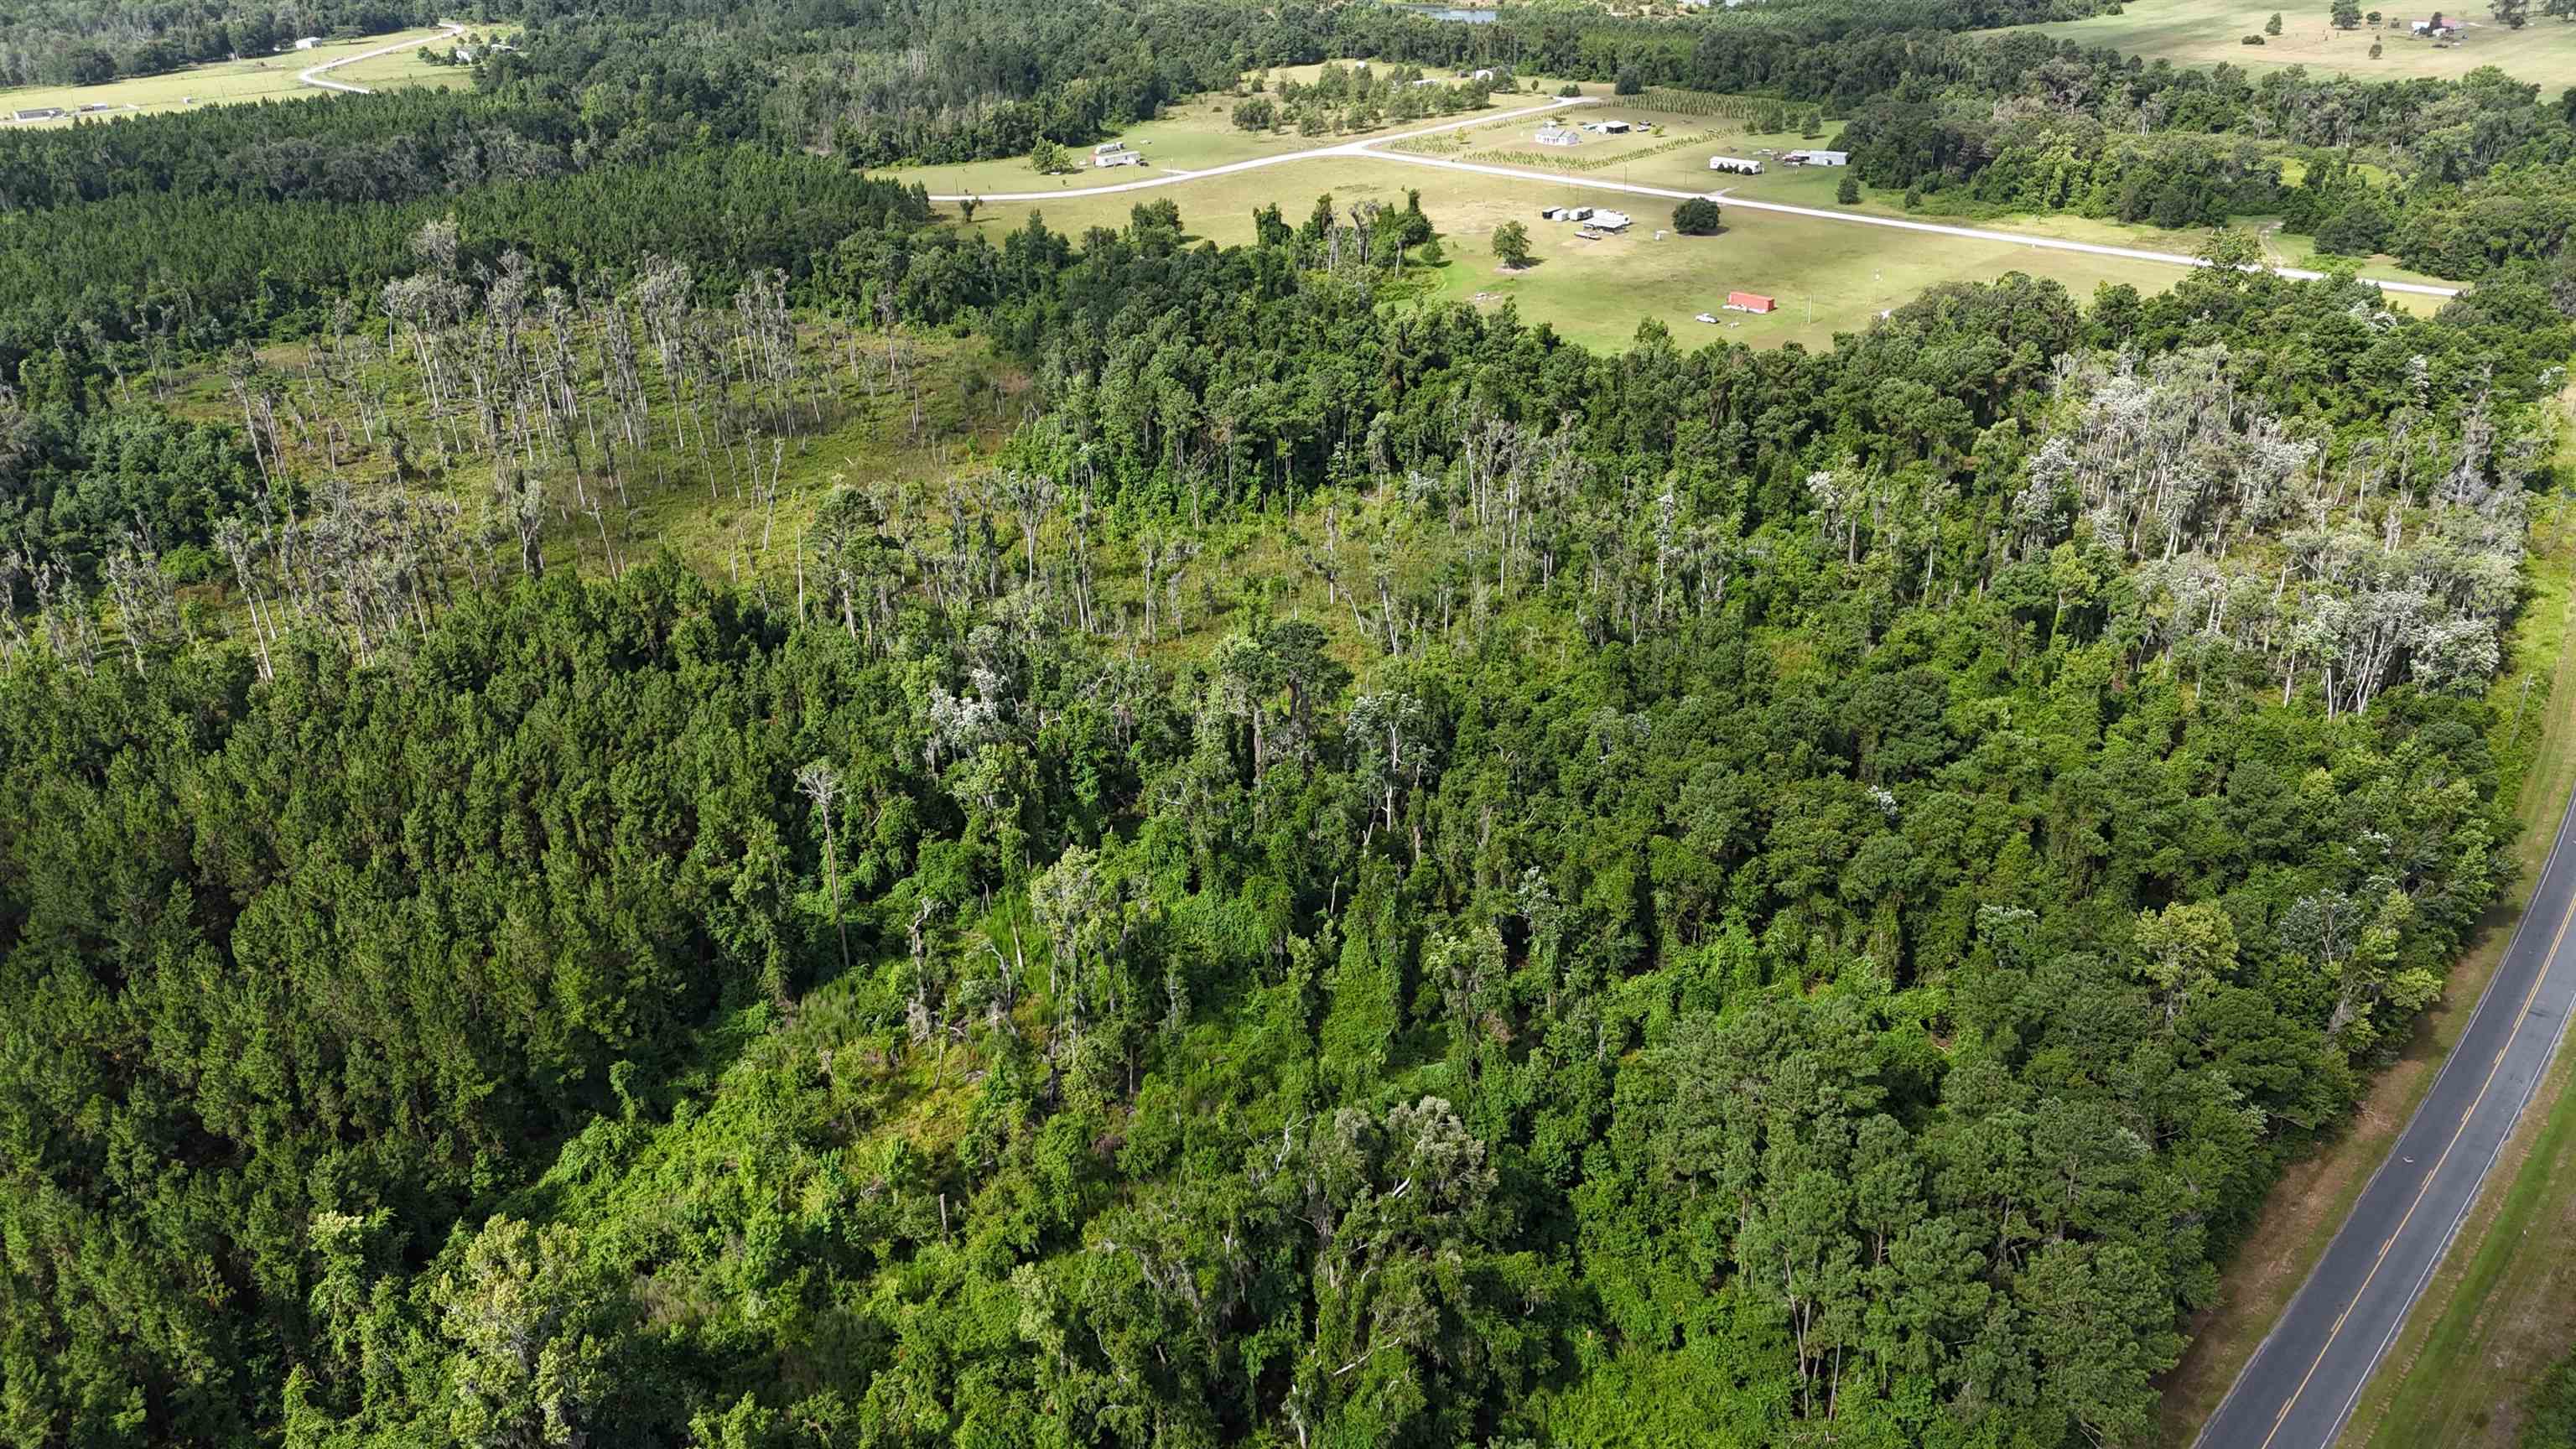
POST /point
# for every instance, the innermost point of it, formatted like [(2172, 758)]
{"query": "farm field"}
[(406, 68), (1188, 136), (1597, 292), (1687, 167), (255, 78), (2208, 32), (403, 68), (1828, 277), (1651, 158)]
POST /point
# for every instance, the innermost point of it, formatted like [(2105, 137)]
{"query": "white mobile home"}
[(1739, 165)]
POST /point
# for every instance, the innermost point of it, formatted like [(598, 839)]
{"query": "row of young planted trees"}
[(1370, 876)]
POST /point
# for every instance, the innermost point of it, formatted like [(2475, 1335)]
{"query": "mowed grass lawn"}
[(255, 78), (2207, 32), (1190, 136), (1686, 168), (1597, 292), (406, 68), (1828, 276)]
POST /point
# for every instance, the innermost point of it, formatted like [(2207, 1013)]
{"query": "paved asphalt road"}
[(2302, 1381)]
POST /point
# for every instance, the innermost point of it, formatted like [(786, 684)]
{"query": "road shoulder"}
[(2502, 1308), (2316, 1193)]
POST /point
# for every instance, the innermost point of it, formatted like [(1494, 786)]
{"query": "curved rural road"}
[(1372, 148), (2300, 1386), (312, 75)]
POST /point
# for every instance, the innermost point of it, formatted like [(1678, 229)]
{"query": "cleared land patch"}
[(2209, 32), (1191, 135), (1596, 292), (252, 78), (406, 68), (1827, 276), (1722, 119)]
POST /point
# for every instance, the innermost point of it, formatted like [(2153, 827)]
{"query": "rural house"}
[(1741, 166), (1816, 158), (308, 42), (1553, 134), (37, 113)]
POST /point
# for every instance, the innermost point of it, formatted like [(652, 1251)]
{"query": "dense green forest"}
[(1375, 879), (650, 797)]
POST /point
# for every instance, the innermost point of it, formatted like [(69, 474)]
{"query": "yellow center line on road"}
[(2547, 963)]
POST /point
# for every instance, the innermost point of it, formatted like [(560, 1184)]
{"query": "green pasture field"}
[(1192, 136), (403, 68), (2211, 32), (406, 68), (1641, 158), (253, 78), (1597, 292), (1826, 276), (1687, 168), (1829, 276)]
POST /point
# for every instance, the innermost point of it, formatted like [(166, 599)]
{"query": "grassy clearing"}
[(1192, 135), (254, 78), (694, 504), (2212, 32), (1828, 277), (1597, 292), (406, 68), (1639, 158), (1686, 168), (2532, 1315)]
